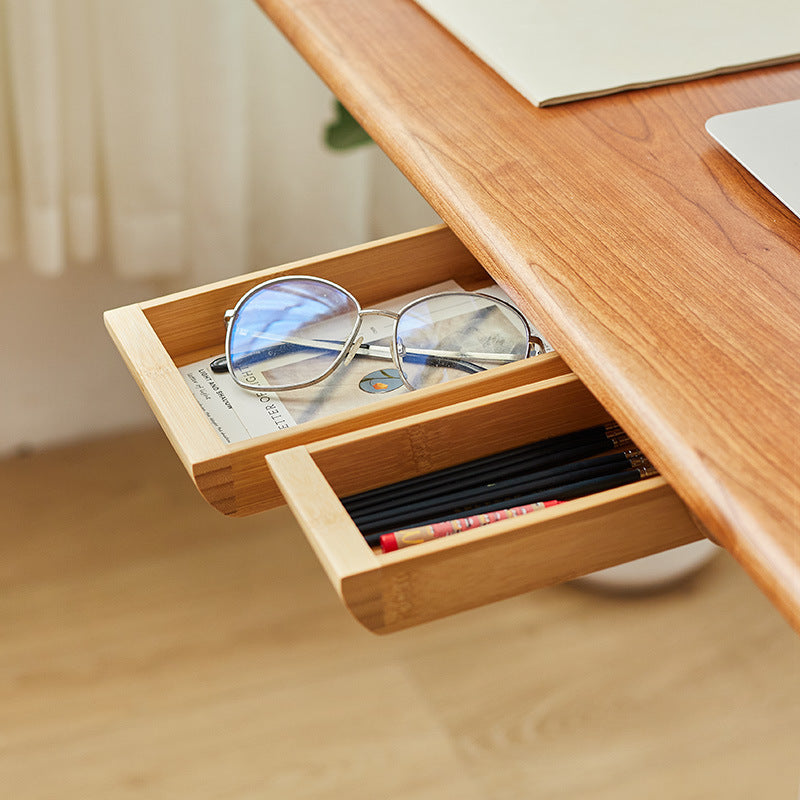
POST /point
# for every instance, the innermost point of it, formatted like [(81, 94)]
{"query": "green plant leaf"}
[(344, 133)]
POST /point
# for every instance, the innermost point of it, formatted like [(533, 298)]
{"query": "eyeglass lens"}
[(449, 335), (289, 332)]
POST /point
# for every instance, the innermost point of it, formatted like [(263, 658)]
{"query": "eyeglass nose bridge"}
[(379, 312), (395, 347), (392, 315)]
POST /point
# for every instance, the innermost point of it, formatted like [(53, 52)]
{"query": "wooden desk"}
[(666, 276)]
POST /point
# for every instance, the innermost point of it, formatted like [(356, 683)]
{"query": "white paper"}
[(235, 413), (557, 50)]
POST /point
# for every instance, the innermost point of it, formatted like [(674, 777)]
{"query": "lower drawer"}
[(391, 591)]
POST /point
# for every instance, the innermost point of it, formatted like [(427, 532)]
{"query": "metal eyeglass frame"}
[(354, 345)]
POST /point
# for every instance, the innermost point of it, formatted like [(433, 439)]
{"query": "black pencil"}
[(552, 451), (553, 464), (597, 433), (478, 475), (463, 496)]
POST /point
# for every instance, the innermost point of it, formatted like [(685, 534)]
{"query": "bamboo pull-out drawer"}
[(158, 337), (391, 591), (314, 463)]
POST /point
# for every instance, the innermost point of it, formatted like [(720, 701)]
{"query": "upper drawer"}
[(158, 337)]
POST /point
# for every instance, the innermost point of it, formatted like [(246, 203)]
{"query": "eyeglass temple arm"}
[(432, 357)]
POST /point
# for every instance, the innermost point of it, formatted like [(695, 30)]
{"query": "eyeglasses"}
[(292, 332)]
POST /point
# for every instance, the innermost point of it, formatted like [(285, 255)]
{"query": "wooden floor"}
[(151, 648)]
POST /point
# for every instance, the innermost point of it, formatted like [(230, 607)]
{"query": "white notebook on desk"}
[(765, 140), (552, 51)]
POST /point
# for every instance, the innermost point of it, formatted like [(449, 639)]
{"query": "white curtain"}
[(165, 138)]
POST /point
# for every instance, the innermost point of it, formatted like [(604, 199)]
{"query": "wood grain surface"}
[(664, 274), (152, 648)]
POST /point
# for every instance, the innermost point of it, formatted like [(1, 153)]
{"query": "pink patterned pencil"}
[(405, 538)]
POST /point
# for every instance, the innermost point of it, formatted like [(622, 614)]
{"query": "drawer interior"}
[(190, 324), (159, 336), (390, 591)]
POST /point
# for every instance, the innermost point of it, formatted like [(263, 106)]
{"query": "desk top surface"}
[(666, 276)]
